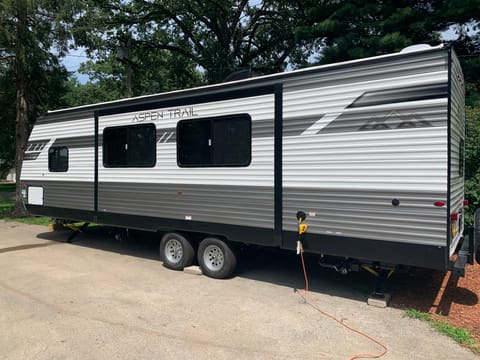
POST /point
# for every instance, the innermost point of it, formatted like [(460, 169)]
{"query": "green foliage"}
[(7, 122), (6, 207), (356, 29), (415, 314), (91, 92), (460, 335), (33, 34), (472, 162), (7, 187), (217, 36), (32, 220)]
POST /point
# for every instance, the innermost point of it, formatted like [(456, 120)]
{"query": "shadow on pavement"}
[(430, 291), (422, 290)]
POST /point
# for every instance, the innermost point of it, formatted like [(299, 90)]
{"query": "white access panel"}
[(35, 195)]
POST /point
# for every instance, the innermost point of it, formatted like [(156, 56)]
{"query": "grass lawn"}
[(7, 187), (7, 206), (460, 335)]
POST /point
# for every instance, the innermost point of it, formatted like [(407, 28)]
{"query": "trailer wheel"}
[(176, 251), (216, 258)]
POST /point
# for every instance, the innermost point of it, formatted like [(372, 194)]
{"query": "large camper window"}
[(215, 142), (58, 159), (130, 146)]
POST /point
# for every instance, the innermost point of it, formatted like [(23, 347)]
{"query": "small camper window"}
[(130, 146), (58, 159), (214, 142)]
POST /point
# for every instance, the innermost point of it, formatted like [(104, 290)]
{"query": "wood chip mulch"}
[(448, 298)]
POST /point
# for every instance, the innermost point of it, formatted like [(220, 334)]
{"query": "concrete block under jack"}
[(381, 302), (55, 227), (194, 270)]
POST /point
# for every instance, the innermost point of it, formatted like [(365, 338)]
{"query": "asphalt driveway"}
[(101, 299)]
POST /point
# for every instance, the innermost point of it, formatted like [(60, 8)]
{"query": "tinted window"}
[(58, 159), (130, 146), (194, 142), (219, 141)]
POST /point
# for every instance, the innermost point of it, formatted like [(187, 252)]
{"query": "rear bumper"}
[(469, 250), (465, 255)]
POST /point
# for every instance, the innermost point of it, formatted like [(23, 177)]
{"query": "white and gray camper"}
[(372, 150)]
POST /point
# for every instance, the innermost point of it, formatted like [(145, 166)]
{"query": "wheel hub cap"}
[(213, 257), (173, 251)]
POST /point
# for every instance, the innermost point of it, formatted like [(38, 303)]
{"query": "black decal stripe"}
[(410, 93), (36, 145), (262, 128), (394, 119), (76, 142), (166, 135), (76, 114), (31, 156)]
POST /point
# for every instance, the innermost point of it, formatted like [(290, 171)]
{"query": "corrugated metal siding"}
[(361, 213), (65, 194), (405, 69), (237, 205), (366, 170), (258, 173), (238, 195), (457, 136), (81, 159)]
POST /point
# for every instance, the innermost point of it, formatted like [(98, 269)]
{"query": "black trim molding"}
[(278, 165)]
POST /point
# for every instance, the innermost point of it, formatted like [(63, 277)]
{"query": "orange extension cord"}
[(304, 293)]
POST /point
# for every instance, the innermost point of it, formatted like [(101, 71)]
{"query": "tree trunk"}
[(21, 125)]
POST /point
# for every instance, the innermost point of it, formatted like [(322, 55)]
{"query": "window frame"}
[(56, 168), (128, 127), (212, 119)]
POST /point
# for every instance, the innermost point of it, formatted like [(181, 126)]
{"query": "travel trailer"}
[(371, 150)]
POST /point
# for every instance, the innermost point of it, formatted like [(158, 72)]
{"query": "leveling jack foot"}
[(75, 230)]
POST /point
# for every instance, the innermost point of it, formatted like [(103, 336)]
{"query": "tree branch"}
[(7, 57), (172, 48)]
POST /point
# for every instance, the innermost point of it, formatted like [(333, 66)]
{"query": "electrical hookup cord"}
[(304, 294)]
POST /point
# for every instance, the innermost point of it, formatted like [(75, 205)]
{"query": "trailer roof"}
[(246, 82)]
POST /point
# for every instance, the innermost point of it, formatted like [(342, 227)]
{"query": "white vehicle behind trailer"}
[(372, 150)]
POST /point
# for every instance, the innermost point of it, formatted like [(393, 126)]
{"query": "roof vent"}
[(413, 48)]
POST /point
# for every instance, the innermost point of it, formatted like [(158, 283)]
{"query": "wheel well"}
[(194, 236)]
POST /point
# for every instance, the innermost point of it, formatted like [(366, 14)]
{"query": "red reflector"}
[(439, 203), (465, 202), (454, 217)]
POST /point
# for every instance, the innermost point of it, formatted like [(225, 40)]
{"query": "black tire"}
[(176, 251), (216, 258)]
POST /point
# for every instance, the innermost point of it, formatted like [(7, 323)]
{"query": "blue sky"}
[(72, 62)]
